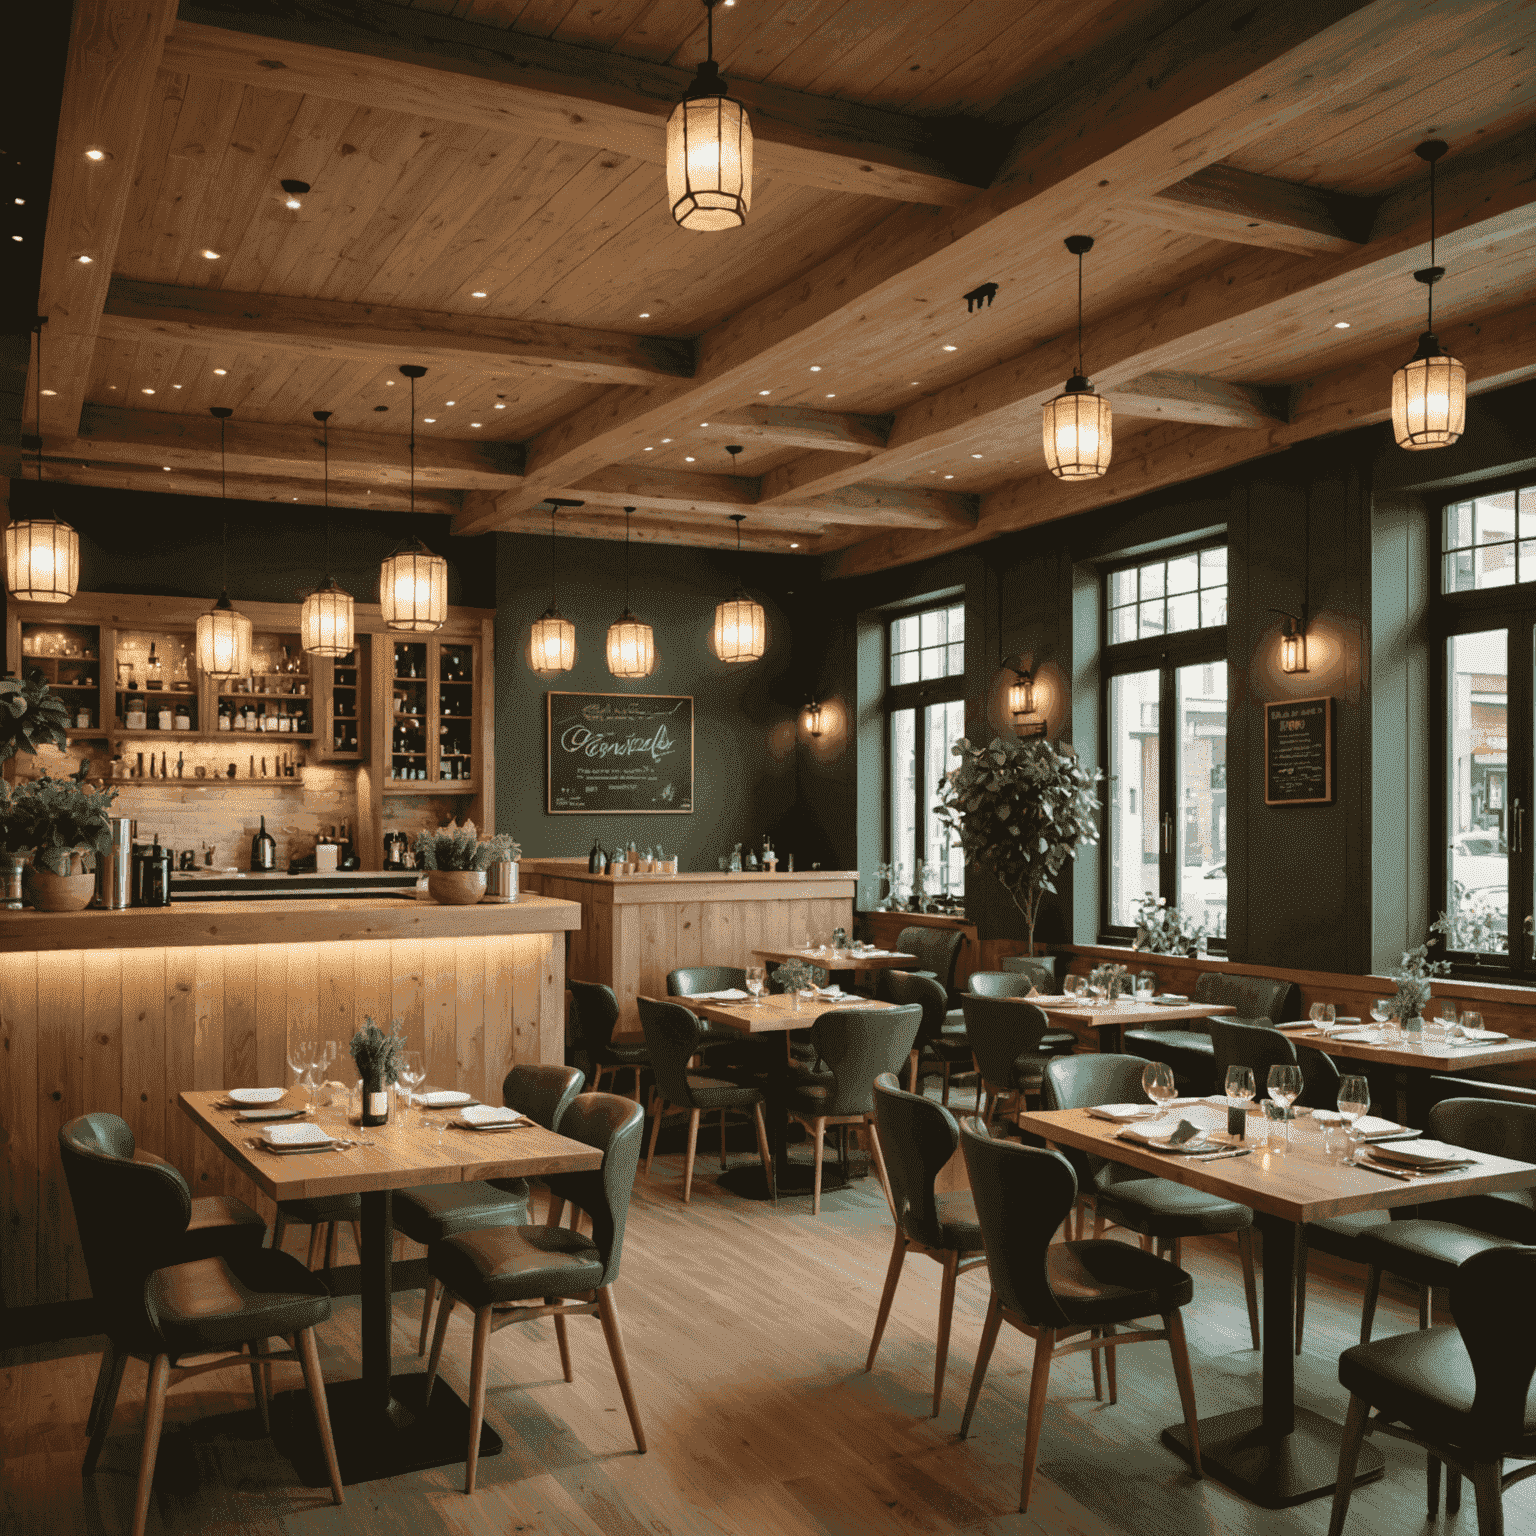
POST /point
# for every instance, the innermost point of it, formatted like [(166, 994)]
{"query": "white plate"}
[(490, 1114), (301, 1135), (254, 1095), (1421, 1153), (444, 1098)]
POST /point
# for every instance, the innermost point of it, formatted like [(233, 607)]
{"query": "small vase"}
[(375, 1100), (60, 893), (456, 887), (1414, 1026)]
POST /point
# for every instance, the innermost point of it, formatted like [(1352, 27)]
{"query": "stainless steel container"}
[(501, 881), (114, 869)]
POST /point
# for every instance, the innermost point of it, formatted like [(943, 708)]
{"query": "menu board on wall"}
[(1298, 752), (620, 754)]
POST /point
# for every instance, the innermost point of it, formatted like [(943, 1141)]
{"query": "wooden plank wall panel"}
[(128, 1031)]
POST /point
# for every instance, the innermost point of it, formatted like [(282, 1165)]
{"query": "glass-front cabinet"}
[(434, 713), (154, 682), (275, 697), (342, 704), (69, 657)]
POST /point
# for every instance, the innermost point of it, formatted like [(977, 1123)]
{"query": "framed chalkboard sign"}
[(1298, 752), (614, 754)]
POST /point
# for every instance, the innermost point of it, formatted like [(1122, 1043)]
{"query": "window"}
[(1165, 722), (1485, 631), (925, 716)]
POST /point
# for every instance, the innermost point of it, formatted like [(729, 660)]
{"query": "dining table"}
[(383, 1424), (1275, 1454), (841, 962), (776, 1013), (1103, 1025)]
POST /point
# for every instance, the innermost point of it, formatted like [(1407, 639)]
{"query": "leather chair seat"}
[(957, 1220), (1425, 1378), (493, 1265), (1507, 1213), (720, 1093), (1344, 1236), (219, 1224), (217, 1303), (1056, 1042), (428, 1213), (313, 1209), (626, 1056), (1105, 1281), (1429, 1252), (1172, 1210)]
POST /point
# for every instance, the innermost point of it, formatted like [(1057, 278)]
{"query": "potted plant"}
[(1165, 930), (456, 859), (1022, 809), (377, 1057), (59, 820), (30, 716)]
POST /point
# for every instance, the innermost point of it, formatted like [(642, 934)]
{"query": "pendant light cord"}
[(551, 557), (413, 444), (41, 321), (709, 22), (223, 481), (1080, 314), (1430, 285), (629, 512)]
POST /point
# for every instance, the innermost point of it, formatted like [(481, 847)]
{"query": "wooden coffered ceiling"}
[(488, 199)]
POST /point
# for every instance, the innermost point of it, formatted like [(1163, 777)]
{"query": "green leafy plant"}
[(1165, 930), (1413, 978), (797, 976), (1022, 809), (378, 1055), (55, 817), (1473, 924), (30, 716), (462, 848)]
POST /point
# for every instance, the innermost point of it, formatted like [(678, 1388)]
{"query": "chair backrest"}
[(903, 988), (1254, 997), (1491, 1302), (616, 1126), (672, 1036), (1320, 1076), (917, 1138), (1500, 1129), (597, 1011), (542, 1091), (1041, 969), (128, 1214), (999, 984), (1076, 1082), (857, 1045), (1022, 1196), (1245, 1043), (1001, 1029), (936, 949), (690, 980), (1444, 1086)]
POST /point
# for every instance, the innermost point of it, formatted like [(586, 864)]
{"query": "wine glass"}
[(1469, 1021), (411, 1071), (757, 980), (1354, 1102), (1381, 1012), (1240, 1087), (1284, 1086), (301, 1058), (1157, 1083), (1321, 1014)]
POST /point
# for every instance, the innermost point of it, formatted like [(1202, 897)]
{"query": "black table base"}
[(1273, 1471), (372, 1444), (793, 1176)]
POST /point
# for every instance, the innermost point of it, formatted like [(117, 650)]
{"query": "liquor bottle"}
[(225, 711), (155, 680)]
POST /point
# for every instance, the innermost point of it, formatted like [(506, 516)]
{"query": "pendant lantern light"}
[(631, 644), (42, 555), (325, 620), (1429, 392), (413, 582), (741, 625), (552, 640), (709, 151), (1078, 424), (223, 634)]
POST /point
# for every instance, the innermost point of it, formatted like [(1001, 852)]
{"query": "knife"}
[(1214, 1157)]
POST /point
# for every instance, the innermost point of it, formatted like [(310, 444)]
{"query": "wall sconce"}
[(1293, 643), (813, 719), (1021, 704)]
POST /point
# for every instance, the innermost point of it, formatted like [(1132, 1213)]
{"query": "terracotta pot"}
[(60, 893), (456, 887)]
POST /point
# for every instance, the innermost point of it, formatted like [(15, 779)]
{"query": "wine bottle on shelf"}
[(156, 678), (263, 849)]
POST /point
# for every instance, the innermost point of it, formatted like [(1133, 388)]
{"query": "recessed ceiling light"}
[(293, 202), (831, 397), (450, 402), (949, 348), (295, 498), (166, 468), (914, 383), (50, 391), (210, 255), (389, 383), (429, 418), (687, 458), (175, 386), (17, 239), (111, 386), (95, 154), (815, 367), (765, 391), (146, 391), (975, 455), (474, 423), (645, 314), (650, 450), (84, 261), (794, 546), (703, 423), (21, 202), (1341, 325), (479, 293), (498, 406), (221, 371), (666, 439), (949, 477)]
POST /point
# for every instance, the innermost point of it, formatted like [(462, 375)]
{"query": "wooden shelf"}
[(240, 781)]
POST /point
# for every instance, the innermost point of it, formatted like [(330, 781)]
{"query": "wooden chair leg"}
[(888, 1295), (1349, 1459), (309, 1358), (608, 1314), (912, 1073), (428, 1296), (983, 1359), (1301, 1283), (1039, 1380), (1110, 1355), (878, 1154), (1250, 1284), (331, 1244), (1432, 1483), (944, 1100), (946, 1311), (562, 1338), (477, 1394), (1100, 1221), (1097, 1367), (661, 1109), (357, 1238), (316, 1244), (639, 1073), (818, 1135), (1174, 1323), (722, 1141), (1452, 1491), (1488, 1486), (693, 1147), (556, 1212), (1368, 1307), (444, 1312), (764, 1155), (1426, 1300), (154, 1417), (259, 1374), (109, 1382), (279, 1231)]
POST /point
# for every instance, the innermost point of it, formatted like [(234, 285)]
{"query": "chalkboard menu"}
[(1298, 752), (620, 754)]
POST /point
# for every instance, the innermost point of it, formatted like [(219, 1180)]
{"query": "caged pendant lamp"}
[(325, 620), (631, 644), (223, 634), (42, 555), (413, 582), (552, 640), (709, 151), (1078, 425), (741, 625), (1429, 392)]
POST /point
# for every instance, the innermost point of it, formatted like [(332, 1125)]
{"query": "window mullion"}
[(1167, 784)]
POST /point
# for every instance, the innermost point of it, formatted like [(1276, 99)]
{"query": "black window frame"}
[(1164, 654)]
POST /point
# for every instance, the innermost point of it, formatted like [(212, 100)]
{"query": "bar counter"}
[(123, 1011)]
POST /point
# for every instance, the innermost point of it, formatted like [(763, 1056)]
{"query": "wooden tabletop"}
[(1125, 1015), (1301, 1186), (774, 1013), (398, 1157), (840, 959), (1436, 1056)]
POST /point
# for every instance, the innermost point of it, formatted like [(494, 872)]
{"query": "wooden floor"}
[(747, 1329)]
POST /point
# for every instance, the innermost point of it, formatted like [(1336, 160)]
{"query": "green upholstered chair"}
[(133, 1217), (1018, 983), (513, 1274), (1006, 1036), (723, 1046), (937, 1049), (596, 1010), (1066, 1296)]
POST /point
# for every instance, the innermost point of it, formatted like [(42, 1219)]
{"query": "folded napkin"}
[(1482, 1036), (1123, 1114), (289, 1135), (444, 1098), (728, 995), (481, 1117), (1367, 1128), (1158, 1137), (1168, 1000)]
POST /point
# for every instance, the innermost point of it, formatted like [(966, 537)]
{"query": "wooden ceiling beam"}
[(115, 48), (1498, 348), (1222, 202), (1207, 86), (154, 312), (798, 426), (1201, 401), (191, 443), (438, 67)]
